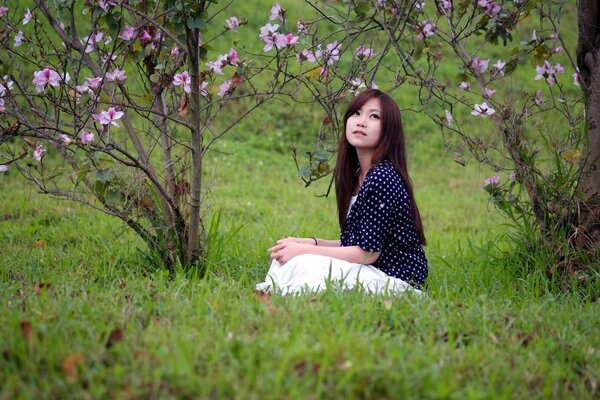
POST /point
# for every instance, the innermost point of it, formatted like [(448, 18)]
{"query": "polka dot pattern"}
[(380, 220)]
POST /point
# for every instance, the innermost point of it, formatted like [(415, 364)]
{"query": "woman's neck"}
[(365, 160)]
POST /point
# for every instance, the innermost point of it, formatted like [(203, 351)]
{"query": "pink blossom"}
[(553, 36), (232, 57), (2, 108), (104, 4), (538, 99), (478, 65), (356, 84), (202, 87), (18, 39), (92, 40), (419, 5), (285, 40), (3, 167), (128, 33), (184, 79), (267, 35), (482, 110), (277, 13), (118, 75), (364, 52), (47, 76), (145, 37), (449, 117), (426, 29), (27, 17), (491, 181), (497, 69), (174, 52), (225, 88), (305, 55), (323, 73), (87, 137), (217, 66), (487, 92), (445, 6), (548, 72), (559, 68), (557, 50), (108, 117), (94, 83), (464, 86), (65, 139), (39, 152), (533, 36), (5, 86), (233, 23), (490, 8), (3, 11), (332, 52)]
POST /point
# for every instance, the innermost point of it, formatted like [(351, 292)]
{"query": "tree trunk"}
[(588, 61)]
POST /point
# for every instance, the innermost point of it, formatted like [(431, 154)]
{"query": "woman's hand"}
[(291, 239), (286, 249)]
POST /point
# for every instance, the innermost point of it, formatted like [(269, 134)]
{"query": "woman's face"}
[(363, 128)]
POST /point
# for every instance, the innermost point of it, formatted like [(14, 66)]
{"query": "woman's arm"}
[(311, 241), (284, 251)]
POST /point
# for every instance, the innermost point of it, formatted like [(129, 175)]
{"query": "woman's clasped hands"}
[(290, 247)]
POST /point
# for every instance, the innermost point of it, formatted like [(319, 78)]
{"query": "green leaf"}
[(198, 23), (322, 155), (104, 175), (305, 172), (100, 187), (114, 198), (83, 171)]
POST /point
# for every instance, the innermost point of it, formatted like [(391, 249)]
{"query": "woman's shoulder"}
[(385, 173)]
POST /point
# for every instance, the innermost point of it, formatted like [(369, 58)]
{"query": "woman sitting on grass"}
[(380, 247)]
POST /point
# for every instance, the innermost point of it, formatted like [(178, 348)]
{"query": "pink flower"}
[(225, 88), (94, 83), (364, 53), (356, 84), (302, 27), (3, 11), (128, 33), (482, 110), (498, 68), (217, 66), (478, 65), (553, 36), (18, 39), (2, 108), (267, 35), (118, 75), (233, 23), (449, 117), (65, 139), (27, 17), (202, 87), (277, 13), (104, 4), (557, 50), (548, 72), (464, 86), (489, 7), (332, 52), (87, 137), (184, 79), (491, 181), (39, 152), (426, 29), (92, 40), (487, 92), (108, 117), (538, 99), (47, 76), (559, 68), (174, 52), (323, 73), (3, 167), (445, 6), (145, 37), (285, 40), (232, 57), (419, 5)]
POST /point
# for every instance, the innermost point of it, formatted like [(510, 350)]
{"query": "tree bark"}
[(588, 61)]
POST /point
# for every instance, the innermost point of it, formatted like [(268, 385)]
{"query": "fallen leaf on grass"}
[(37, 289), (71, 364), (303, 367), (26, 331), (115, 336), (40, 244)]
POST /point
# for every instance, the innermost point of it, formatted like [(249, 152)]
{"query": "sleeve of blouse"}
[(381, 204)]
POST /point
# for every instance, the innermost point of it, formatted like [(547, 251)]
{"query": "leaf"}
[(114, 197), (71, 365), (540, 54), (197, 23), (305, 172), (104, 175), (322, 155), (183, 105), (314, 73), (115, 336), (571, 155), (40, 244)]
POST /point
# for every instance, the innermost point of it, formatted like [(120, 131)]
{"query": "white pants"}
[(311, 273)]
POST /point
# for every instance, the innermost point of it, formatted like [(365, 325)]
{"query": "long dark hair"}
[(390, 147)]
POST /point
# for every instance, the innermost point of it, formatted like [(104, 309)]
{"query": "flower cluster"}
[(491, 181), (107, 117), (270, 35), (549, 72), (47, 76), (364, 53), (426, 29), (224, 60), (489, 8), (478, 65)]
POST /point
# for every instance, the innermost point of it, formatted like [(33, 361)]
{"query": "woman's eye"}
[(357, 113), (375, 116)]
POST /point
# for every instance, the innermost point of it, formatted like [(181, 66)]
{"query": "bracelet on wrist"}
[(315, 239)]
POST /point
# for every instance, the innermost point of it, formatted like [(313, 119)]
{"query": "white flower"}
[(27, 17), (449, 117), (483, 110), (18, 39)]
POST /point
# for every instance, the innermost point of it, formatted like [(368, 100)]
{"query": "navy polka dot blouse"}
[(380, 220)]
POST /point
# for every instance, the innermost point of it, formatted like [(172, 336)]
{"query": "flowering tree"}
[(134, 147)]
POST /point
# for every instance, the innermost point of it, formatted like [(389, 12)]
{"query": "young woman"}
[(380, 246)]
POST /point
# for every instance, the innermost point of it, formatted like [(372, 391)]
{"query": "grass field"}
[(84, 315)]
